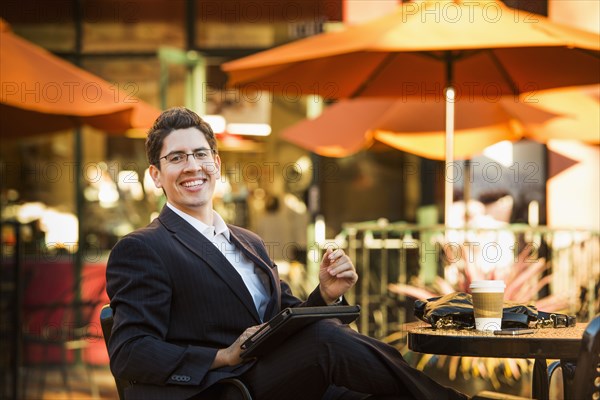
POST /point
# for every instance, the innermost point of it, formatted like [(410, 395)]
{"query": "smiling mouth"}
[(194, 183)]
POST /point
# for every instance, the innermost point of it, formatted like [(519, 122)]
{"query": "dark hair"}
[(170, 120)]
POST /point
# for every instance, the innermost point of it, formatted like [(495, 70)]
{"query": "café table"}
[(543, 344)]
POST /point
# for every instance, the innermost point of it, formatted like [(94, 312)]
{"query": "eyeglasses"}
[(179, 157)]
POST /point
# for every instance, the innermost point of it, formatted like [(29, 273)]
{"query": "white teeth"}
[(193, 183)]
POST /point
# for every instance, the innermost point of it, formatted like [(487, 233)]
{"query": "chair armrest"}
[(235, 389), (488, 395)]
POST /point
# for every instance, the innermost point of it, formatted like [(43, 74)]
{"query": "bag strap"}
[(555, 320), (544, 320), (513, 318)]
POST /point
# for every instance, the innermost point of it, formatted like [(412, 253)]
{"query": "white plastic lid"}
[(487, 284)]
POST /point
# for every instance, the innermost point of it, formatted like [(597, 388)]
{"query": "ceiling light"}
[(216, 122), (249, 129)]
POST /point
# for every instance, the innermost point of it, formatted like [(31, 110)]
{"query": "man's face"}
[(189, 185)]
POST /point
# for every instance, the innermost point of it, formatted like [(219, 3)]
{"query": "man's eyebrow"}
[(193, 150)]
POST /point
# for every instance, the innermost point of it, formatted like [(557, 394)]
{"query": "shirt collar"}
[(219, 226)]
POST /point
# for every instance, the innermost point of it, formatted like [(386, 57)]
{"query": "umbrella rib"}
[(386, 61), (456, 54), (504, 72), (593, 53)]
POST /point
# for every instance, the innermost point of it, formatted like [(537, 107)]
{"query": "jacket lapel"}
[(267, 277), (197, 243), (264, 270)]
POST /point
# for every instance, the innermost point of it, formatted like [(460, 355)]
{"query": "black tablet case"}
[(289, 321)]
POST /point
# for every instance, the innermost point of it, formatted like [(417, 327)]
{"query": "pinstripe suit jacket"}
[(177, 300)]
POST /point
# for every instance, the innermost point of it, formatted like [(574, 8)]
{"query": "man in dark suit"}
[(188, 289)]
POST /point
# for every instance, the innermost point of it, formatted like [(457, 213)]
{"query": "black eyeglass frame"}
[(187, 155)]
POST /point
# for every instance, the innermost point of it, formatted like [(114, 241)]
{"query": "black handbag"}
[(455, 311)]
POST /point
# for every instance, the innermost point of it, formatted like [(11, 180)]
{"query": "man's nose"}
[(191, 162)]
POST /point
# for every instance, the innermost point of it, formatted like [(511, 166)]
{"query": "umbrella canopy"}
[(351, 125), (43, 93), (579, 110), (482, 48), (440, 49)]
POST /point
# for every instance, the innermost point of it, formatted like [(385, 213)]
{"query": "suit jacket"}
[(177, 300)]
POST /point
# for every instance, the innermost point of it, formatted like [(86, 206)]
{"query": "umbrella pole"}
[(449, 95), (78, 255), (449, 145), (79, 200)]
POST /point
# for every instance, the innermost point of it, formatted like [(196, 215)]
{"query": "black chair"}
[(581, 379), (229, 389)]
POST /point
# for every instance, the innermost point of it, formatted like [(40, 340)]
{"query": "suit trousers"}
[(329, 353)]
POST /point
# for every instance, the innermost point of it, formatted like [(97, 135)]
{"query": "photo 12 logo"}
[(255, 92), (463, 12), (67, 92)]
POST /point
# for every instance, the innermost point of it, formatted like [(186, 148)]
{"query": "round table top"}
[(546, 343)]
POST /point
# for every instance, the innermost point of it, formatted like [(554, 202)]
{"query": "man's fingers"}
[(339, 263), (249, 332), (334, 257), (336, 254)]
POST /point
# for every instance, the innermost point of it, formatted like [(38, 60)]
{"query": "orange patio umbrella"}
[(352, 125), (43, 93), (566, 114), (430, 49), (481, 48), (578, 110)]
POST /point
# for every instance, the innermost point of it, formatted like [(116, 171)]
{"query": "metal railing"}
[(556, 269)]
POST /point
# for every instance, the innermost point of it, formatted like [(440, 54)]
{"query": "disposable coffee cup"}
[(488, 299)]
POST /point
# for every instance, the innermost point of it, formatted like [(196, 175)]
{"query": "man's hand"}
[(336, 275), (231, 355)]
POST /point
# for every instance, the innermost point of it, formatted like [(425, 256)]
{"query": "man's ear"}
[(218, 163), (155, 175)]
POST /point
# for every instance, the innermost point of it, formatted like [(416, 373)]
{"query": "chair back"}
[(586, 382), (106, 321), (230, 388)]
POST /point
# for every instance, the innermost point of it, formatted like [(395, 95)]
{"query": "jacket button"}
[(180, 378)]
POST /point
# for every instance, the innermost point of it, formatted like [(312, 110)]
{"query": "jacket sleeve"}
[(140, 292)]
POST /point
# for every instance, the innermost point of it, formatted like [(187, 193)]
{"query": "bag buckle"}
[(563, 321), (556, 321), (448, 322), (544, 323), (445, 323), (559, 321)]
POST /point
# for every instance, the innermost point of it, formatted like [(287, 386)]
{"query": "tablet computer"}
[(289, 321)]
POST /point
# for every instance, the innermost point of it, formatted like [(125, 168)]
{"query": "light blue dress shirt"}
[(219, 235)]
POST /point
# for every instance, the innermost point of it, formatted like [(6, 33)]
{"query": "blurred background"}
[(69, 191)]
